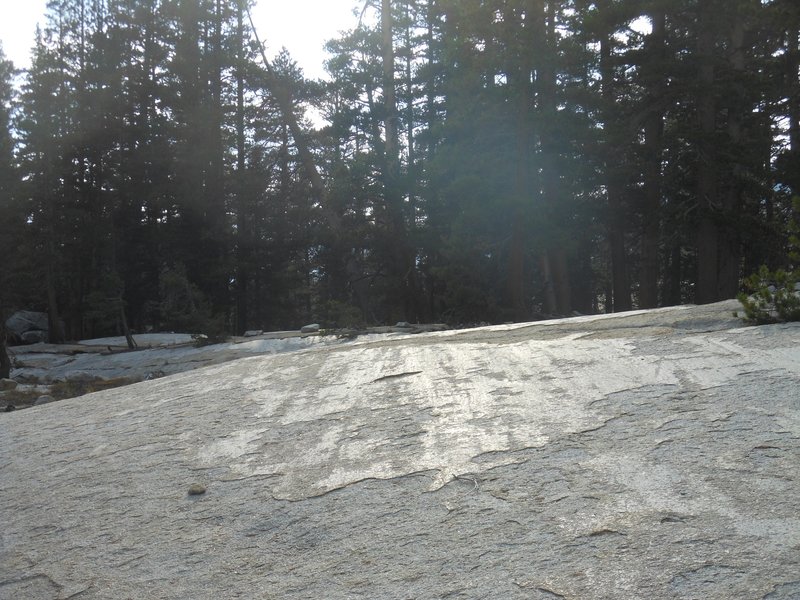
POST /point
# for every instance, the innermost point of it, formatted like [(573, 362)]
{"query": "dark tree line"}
[(481, 160)]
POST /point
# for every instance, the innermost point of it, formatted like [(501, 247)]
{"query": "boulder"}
[(7, 384), (24, 321), (44, 400), (253, 333), (82, 377), (35, 336), (313, 328)]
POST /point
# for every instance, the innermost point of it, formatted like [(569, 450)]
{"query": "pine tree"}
[(11, 220)]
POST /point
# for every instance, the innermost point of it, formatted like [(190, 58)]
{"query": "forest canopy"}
[(469, 161)]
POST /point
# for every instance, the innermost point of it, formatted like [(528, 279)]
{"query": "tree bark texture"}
[(5, 361), (793, 84), (707, 188), (404, 256), (243, 209), (654, 142), (555, 259), (730, 251), (524, 188), (617, 210)]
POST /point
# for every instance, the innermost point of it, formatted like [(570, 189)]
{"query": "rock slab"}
[(651, 454)]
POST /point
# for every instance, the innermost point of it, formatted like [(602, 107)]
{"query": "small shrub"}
[(774, 296), (20, 397), (72, 388), (182, 306), (212, 331), (340, 315)]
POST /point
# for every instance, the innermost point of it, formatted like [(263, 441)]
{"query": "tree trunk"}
[(516, 272), (404, 259), (583, 281), (654, 142), (793, 95), (707, 200), (525, 193), (284, 99), (550, 301), (5, 361), (389, 90), (216, 177), (558, 292), (561, 281), (124, 323), (55, 334), (430, 82), (242, 213), (674, 276), (620, 284), (409, 73), (283, 96), (730, 251), (617, 211)]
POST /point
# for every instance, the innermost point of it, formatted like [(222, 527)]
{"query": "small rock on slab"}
[(197, 489), (7, 384), (44, 400), (403, 325), (253, 333), (313, 328)]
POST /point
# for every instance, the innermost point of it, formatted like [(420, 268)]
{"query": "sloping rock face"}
[(652, 454)]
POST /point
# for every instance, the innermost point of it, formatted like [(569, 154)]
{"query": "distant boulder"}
[(82, 377), (7, 384), (313, 328), (36, 336), (44, 400), (27, 327)]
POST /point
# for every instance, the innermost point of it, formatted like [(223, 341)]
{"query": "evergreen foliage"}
[(477, 161), (774, 296)]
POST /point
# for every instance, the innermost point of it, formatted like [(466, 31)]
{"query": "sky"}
[(303, 26)]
